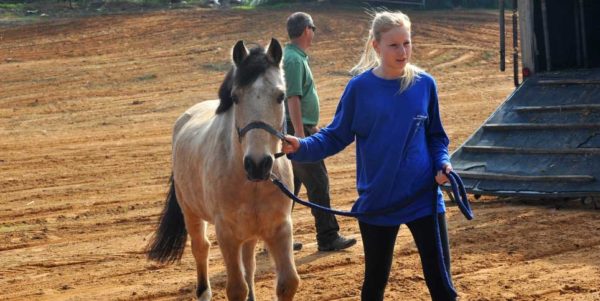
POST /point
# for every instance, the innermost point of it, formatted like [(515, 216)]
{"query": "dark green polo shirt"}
[(299, 82)]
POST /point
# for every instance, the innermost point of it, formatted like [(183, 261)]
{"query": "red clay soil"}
[(86, 110)]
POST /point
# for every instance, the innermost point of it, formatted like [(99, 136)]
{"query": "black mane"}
[(226, 100), (254, 65)]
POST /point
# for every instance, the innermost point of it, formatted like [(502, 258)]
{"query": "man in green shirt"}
[(302, 113)]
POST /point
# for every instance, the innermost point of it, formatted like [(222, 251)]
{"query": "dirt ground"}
[(86, 110)]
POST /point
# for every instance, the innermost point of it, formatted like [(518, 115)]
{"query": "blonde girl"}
[(390, 108)]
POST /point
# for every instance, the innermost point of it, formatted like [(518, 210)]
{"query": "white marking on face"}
[(259, 102)]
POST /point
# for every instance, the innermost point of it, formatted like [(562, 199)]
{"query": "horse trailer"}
[(543, 141)]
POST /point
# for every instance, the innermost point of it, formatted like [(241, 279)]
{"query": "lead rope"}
[(460, 197), (456, 184), (458, 190)]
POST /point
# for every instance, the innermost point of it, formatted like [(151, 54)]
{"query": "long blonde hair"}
[(382, 22)]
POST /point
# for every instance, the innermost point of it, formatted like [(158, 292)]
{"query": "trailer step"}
[(569, 82), (561, 108), (526, 150), (540, 126), (510, 177)]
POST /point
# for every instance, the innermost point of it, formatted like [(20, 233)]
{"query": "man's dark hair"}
[(297, 22)]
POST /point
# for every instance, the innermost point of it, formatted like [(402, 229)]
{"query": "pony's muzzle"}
[(258, 171)]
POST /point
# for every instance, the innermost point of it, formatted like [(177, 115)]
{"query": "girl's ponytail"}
[(368, 59)]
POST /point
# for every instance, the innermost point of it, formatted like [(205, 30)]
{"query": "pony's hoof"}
[(205, 296)]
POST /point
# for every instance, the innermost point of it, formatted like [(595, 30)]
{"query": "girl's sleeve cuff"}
[(441, 164)]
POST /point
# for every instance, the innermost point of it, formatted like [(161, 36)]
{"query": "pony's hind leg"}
[(280, 248), (200, 246), (249, 266)]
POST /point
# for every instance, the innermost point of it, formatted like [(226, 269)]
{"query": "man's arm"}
[(295, 111)]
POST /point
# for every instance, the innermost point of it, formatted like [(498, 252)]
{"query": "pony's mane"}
[(254, 65)]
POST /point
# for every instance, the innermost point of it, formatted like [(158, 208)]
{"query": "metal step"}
[(525, 150), (540, 126), (511, 177), (561, 108), (568, 82)]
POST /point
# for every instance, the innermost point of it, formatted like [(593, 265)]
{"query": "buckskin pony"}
[(223, 156)]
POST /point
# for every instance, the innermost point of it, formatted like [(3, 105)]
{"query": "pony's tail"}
[(168, 242)]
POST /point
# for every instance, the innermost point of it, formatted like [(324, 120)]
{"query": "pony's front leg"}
[(280, 248), (200, 246), (231, 247), (249, 266)]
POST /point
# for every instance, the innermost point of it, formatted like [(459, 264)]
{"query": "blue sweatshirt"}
[(400, 144)]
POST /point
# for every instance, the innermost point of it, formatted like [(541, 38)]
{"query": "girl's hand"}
[(291, 145), (441, 177)]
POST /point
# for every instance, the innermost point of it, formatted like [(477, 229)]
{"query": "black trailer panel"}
[(543, 141)]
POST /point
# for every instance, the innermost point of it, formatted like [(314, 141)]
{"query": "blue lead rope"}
[(460, 197), (397, 207), (458, 191)]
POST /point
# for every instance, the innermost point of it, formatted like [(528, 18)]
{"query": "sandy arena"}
[(86, 110)]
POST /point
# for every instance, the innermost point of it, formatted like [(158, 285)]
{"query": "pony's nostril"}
[(248, 165), (266, 164), (260, 171)]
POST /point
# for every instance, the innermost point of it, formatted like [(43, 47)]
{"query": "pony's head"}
[(255, 89)]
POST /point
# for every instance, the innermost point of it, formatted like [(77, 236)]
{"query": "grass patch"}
[(12, 6), (146, 77), (251, 4), (245, 7), (221, 66), (489, 55), (15, 228)]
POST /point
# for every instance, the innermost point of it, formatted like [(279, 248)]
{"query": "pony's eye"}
[(234, 98), (280, 98)]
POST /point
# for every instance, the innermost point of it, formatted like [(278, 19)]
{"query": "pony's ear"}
[(274, 51), (240, 52)]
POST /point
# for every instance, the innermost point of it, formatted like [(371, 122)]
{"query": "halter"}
[(263, 126)]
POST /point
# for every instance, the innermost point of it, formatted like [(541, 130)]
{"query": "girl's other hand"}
[(441, 177), (291, 145)]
